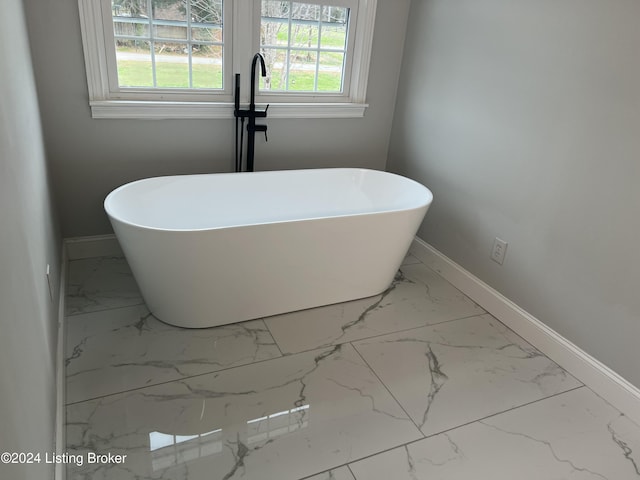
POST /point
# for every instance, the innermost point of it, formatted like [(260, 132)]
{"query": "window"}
[(169, 43), (176, 58), (304, 46)]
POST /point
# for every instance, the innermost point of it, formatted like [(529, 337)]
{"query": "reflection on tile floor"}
[(416, 383)]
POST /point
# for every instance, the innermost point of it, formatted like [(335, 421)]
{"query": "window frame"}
[(108, 101)]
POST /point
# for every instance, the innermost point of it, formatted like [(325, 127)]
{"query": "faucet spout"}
[(263, 69)]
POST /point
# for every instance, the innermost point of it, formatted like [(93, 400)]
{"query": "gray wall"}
[(91, 157), (29, 241), (523, 117)]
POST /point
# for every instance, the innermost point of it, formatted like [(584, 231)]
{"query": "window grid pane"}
[(304, 46), (169, 43)]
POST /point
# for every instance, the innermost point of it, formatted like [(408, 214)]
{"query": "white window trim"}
[(104, 106)]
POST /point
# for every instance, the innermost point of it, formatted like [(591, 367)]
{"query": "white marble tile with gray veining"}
[(120, 349), (342, 473), (282, 419), (410, 259), (574, 435), (100, 283), (417, 297), (456, 372)]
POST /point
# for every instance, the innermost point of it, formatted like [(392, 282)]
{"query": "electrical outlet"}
[(499, 250), (48, 274)]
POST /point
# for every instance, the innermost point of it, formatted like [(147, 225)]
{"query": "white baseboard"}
[(97, 246), (597, 376), (60, 472)]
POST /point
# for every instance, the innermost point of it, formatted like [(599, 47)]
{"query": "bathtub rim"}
[(425, 203)]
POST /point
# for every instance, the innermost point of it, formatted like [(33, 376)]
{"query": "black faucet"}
[(251, 114)]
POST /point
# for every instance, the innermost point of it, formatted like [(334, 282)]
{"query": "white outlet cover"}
[(499, 250)]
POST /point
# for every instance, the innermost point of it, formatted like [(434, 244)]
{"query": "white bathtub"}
[(214, 249)]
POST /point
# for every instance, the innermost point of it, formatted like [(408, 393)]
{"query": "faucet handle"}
[(263, 113), (262, 128)]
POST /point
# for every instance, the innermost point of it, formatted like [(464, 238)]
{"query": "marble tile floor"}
[(416, 383)]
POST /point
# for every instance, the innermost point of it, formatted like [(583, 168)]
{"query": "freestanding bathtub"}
[(215, 249)]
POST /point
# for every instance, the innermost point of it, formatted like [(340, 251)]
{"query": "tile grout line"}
[(77, 314), (505, 411), (388, 390), (328, 345), (182, 379), (351, 471), (283, 355), (119, 307), (348, 464)]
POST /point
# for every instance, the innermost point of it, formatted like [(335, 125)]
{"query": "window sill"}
[(174, 110)]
